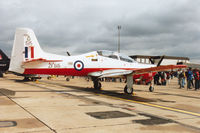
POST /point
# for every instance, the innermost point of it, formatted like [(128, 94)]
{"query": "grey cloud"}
[(173, 32), (151, 27)]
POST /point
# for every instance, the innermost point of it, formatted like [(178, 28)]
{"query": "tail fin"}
[(24, 49), (3, 56)]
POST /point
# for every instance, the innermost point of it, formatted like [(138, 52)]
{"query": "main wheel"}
[(1, 74), (125, 89), (151, 88), (97, 85), (26, 79), (33, 79), (128, 90)]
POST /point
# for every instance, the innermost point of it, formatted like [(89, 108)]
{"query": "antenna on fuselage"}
[(68, 53)]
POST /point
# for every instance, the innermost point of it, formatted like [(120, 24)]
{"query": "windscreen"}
[(125, 58), (109, 54)]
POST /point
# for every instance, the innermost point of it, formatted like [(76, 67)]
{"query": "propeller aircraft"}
[(28, 59)]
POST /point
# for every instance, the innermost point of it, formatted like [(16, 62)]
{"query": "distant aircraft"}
[(146, 78), (4, 63), (29, 59)]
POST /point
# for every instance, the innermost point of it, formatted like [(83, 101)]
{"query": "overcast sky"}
[(149, 27)]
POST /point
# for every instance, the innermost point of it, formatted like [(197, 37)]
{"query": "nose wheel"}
[(151, 88), (128, 90)]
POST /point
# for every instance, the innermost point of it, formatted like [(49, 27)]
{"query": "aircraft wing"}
[(123, 72), (159, 68), (110, 73)]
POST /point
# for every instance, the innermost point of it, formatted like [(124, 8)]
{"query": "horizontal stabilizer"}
[(41, 60)]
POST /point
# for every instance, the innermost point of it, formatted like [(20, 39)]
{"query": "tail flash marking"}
[(26, 52), (29, 52), (32, 52)]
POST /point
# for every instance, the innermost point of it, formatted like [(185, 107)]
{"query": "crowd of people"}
[(190, 77), (163, 78)]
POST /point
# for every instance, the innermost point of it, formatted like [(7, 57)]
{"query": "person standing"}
[(178, 73), (192, 81), (168, 77), (182, 79), (163, 78), (156, 79), (196, 78), (189, 78)]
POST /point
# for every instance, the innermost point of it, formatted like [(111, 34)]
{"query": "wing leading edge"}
[(159, 68), (123, 72)]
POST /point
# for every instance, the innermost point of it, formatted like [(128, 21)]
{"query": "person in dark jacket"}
[(196, 77), (156, 79), (189, 78)]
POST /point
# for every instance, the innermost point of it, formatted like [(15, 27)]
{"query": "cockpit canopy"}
[(115, 55)]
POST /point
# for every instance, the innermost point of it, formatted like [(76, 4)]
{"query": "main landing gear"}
[(97, 84), (31, 78)]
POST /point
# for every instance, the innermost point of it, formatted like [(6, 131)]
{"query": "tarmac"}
[(60, 106)]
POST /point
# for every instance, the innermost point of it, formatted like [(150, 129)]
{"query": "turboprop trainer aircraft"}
[(29, 59)]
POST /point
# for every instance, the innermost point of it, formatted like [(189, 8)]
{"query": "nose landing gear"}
[(128, 90), (151, 88)]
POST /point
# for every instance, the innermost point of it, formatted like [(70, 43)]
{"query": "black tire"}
[(128, 91), (1, 74), (151, 88), (33, 79), (26, 79), (125, 89), (97, 86), (67, 79), (148, 83)]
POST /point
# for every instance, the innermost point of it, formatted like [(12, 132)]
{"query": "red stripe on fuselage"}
[(67, 71)]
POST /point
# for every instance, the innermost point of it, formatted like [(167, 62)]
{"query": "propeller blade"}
[(161, 60), (152, 61)]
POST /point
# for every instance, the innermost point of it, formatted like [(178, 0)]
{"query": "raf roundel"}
[(78, 65)]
